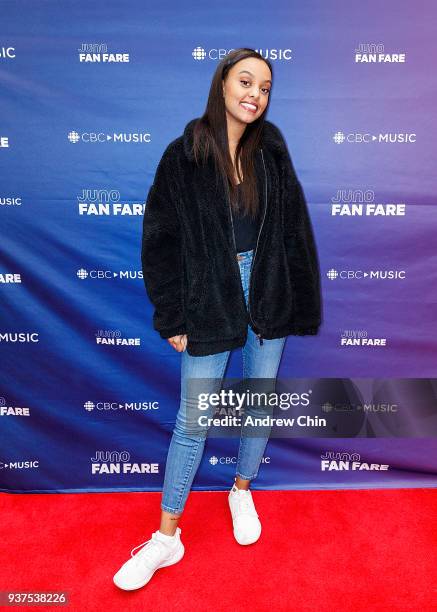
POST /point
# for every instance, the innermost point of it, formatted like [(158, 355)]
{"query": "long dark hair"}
[(210, 137)]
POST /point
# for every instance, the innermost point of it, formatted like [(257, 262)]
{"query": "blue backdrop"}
[(91, 94)]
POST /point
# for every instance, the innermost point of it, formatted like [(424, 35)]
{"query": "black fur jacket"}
[(189, 263)]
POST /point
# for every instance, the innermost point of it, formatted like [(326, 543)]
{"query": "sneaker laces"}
[(245, 503), (151, 552)]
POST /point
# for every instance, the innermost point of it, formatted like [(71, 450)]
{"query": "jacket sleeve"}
[(161, 252), (301, 248)]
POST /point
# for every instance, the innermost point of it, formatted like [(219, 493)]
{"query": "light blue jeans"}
[(188, 439)]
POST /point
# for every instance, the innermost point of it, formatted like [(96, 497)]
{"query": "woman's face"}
[(246, 89)]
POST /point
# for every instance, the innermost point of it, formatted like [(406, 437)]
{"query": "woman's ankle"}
[(167, 535), (169, 523)]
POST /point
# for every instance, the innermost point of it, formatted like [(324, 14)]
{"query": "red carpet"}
[(319, 550)]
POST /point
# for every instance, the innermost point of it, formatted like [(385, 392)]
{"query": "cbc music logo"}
[(19, 337), (367, 408), (199, 54), (19, 465), (361, 202), (98, 53), (7, 52), (14, 201), (333, 274), (366, 137), (100, 137), (126, 406), (374, 53), (82, 274), (230, 460), (346, 461)]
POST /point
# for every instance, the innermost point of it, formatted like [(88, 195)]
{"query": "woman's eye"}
[(265, 89)]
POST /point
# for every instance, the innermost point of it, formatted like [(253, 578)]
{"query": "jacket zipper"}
[(256, 248), (235, 250)]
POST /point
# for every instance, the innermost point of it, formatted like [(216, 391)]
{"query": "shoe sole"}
[(178, 557)]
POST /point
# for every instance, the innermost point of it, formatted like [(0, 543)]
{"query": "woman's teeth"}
[(249, 107)]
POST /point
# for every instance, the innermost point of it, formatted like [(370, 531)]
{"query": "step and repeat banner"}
[(91, 94)]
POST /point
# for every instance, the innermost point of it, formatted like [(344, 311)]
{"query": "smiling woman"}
[(231, 128), (229, 261)]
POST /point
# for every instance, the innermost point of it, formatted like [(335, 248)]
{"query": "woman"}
[(229, 260)]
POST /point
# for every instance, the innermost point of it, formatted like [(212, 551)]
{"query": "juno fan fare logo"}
[(97, 53), (119, 462), (106, 202), (375, 53), (362, 203)]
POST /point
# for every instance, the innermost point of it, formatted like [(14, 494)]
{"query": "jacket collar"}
[(270, 138)]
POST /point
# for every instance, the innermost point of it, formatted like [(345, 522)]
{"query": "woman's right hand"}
[(179, 343)]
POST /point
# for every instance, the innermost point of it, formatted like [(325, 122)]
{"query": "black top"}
[(245, 228)]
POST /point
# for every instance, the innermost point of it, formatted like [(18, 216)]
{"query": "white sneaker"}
[(138, 570), (247, 527)]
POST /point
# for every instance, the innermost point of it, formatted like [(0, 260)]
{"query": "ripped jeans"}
[(188, 442)]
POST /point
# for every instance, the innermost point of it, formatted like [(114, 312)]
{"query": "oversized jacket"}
[(189, 263)]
